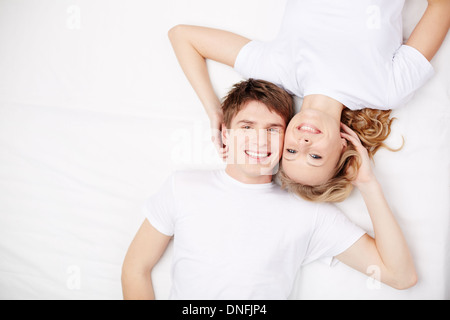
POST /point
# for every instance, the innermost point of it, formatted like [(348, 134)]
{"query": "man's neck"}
[(234, 172)]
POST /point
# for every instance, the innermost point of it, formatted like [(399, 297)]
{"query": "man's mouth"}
[(257, 155)]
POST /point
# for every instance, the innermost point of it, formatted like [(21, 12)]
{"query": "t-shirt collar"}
[(236, 183)]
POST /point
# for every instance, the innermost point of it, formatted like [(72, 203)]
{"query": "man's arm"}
[(432, 29), (192, 46), (388, 253), (144, 252)]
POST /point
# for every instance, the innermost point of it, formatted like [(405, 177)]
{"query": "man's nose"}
[(262, 138), (262, 134), (256, 137)]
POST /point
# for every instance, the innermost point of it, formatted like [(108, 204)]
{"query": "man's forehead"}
[(260, 117)]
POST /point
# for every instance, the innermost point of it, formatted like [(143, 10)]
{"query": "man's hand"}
[(216, 122)]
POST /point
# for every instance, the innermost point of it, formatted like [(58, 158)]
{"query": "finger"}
[(354, 140), (348, 130), (223, 150), (357, 143), (217, 146), (217, 141), (223, 153)]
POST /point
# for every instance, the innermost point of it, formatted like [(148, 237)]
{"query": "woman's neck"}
[(325, 104)]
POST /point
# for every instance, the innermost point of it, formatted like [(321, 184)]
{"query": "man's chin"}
[(260, 170)]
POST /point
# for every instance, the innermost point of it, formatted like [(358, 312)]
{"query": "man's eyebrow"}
[(276, 125), (270, 125), (246, 121)]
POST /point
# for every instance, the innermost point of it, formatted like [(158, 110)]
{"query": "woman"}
[(346, 59)]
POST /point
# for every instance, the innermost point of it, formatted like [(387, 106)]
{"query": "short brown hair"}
[(276, 99)]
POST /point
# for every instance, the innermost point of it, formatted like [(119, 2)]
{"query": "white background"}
[(95, 113)]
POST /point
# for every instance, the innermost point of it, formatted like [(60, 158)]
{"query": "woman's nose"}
[(304, 141)]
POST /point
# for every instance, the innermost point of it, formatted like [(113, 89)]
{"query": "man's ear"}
[(224, 134)]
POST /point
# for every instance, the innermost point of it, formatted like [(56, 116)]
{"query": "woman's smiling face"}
[(312, 147)]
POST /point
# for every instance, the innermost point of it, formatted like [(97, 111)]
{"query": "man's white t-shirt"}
[(349, 50), (242, 241)]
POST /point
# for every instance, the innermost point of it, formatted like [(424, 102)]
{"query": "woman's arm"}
[(388, 253), (432, 29), (143, 254), (192, 46)]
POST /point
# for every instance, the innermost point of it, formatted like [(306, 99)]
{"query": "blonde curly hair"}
[(372, 127)]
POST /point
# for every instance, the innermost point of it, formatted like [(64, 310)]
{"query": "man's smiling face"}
[(255, 143)]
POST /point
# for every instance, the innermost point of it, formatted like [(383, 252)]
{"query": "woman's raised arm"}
[(192, 46), (387, 254), (432, 29)]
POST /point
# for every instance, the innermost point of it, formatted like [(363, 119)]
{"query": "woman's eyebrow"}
[(315, 166), (292, 157), (308, 163)]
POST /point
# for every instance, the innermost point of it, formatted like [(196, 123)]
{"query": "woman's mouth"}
[(309, 128)]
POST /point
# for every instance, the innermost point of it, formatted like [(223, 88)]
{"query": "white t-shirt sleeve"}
[(333, 234), (255, 60), (410, 71), (160, 209)]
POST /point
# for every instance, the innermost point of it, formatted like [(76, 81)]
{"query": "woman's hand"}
[(365, 174)]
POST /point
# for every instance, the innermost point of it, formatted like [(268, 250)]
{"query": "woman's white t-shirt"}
[(349, 50), (242, 241)]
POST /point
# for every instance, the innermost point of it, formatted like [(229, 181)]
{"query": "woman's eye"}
[(291, 151), (246, 127), (315, 156)]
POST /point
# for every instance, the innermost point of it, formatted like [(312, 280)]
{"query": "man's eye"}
[(246, 127), (315, 156), (291, 151)]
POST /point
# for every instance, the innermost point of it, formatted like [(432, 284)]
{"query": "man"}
[(237, 235)]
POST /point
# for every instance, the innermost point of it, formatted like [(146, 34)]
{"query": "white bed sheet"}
[(95, 113)]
